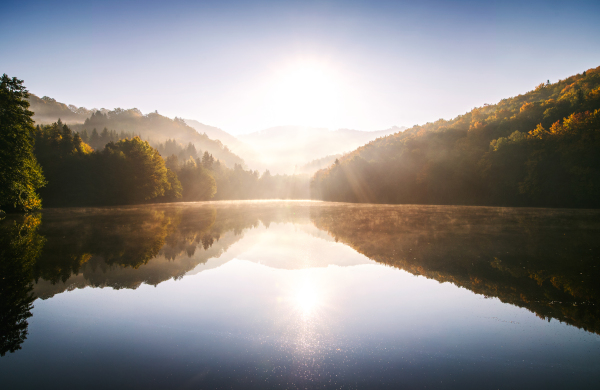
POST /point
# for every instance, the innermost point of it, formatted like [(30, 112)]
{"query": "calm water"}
[(300, 295)]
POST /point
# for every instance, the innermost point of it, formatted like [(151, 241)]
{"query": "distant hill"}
[(215, 133), (541, 148), (320, 163), (152, 127), (47, 110), (157, 128), (281, 150), (286, 148)]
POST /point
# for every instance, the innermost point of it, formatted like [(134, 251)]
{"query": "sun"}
[(307, 93)]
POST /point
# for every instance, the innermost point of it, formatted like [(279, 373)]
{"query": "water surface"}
[(300, 295)]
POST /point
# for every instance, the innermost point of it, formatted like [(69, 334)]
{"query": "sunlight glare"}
[(307, 298), (305, 93)]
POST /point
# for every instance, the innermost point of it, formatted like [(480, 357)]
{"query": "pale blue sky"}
[(246, 66)]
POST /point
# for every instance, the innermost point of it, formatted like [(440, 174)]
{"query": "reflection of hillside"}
[(124, 247), (542, 260), (97, 273)]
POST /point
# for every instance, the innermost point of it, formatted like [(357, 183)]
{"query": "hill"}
[(152, 127), (157, 128), (284, 149), (215, 133), (541, 148), (47, 110), (318, 164)]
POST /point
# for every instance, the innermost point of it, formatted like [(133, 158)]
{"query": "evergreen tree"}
[(208, 161), (84, 136), (94, 139), (20, 174), (104, 138)]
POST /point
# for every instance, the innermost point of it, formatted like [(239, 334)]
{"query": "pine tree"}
[(95, 139), (20, 173), (84, 136)]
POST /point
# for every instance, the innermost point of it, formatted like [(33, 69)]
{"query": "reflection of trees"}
[(127, 239), (543, 260), (20, 246), (124, 247)]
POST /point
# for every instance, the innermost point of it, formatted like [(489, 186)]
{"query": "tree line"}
[(537, 149), (68, 168)]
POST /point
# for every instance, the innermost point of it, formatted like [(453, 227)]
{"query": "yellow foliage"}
[(538, 132), (526, 106)]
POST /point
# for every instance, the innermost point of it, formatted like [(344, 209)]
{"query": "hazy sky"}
[(245, 66)]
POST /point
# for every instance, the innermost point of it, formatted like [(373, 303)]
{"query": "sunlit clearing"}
[(307, 298), (305, 93)]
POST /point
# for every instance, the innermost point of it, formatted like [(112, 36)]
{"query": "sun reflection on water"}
[(307, 298)]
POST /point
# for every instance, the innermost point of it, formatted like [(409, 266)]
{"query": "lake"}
[(300, 294)]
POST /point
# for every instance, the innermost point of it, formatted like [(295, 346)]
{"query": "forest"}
[(536, 149), (153, 127), (131, 171), (69, 168)]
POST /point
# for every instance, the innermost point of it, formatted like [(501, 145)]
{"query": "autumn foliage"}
[(536, 149)]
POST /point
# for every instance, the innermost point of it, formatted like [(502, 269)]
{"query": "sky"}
[(245, 66)]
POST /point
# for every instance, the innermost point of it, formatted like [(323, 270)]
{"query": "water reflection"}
[(544, 260), (20, 247), (283, 264)]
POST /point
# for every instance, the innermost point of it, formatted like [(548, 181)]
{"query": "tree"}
[(20, 174), (84, 136), (196, 181), (134, 172), (94, 139), (207, 161)]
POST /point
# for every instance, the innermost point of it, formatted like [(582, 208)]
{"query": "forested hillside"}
[(124, 123), (157, 128), (131, 171), (537, 149), (47, 110)]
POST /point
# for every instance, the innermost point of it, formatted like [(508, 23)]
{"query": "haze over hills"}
[(292, 149), (215, 133), (153, 126), (285, 149), (281, 150), (47, 110)]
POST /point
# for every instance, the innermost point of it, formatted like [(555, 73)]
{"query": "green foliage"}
[(196, 181), (498, 154), (173, 148), (99, 140), (20, 174), (136, 171), (206, 178), (238, 183), (127, 172)]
